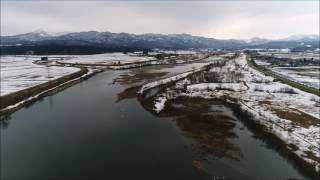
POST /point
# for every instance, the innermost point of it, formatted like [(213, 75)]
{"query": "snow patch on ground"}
[(217, 86), (159, 104)]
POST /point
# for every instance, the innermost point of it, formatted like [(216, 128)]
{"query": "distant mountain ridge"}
[(109, 40), (301, 37)]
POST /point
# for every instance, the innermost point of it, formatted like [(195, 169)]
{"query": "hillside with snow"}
[(43, 42)]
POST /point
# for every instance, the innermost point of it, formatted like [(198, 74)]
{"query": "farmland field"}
[(19, 72), (106, 59), (308, 75)]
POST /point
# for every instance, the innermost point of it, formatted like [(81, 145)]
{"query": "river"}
[(88, 131)]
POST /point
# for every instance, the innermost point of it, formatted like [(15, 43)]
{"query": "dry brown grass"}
[(137, 77), (212, 131), (265, 102), (296, 116)]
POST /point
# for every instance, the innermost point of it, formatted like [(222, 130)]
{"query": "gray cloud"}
[(230, 19)]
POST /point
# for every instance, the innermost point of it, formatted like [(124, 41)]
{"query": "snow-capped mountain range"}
[(107, 40)]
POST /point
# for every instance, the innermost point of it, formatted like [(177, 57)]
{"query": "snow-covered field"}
[(291, 114), (124, 61), (293, 55), (106, 59), (308, 75), (262, 63), (18, 72)]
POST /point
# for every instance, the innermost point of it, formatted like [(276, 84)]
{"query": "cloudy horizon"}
[(215, 19)]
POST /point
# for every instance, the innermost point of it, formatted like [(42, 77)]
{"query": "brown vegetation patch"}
[(197, 164), (212, 132), (135, 77), (296, 116), (265, 102), (128, 93)]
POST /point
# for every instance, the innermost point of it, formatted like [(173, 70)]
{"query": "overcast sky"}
[(224, 20)]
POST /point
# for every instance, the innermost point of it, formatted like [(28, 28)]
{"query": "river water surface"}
[(85, 131)]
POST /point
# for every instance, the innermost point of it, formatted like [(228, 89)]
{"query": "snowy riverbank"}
[(289, 113)]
